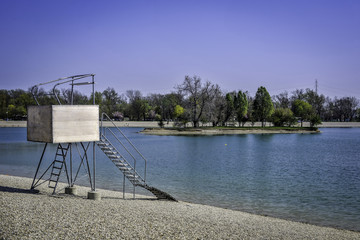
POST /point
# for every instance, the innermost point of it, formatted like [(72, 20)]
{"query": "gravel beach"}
[(26, 215)]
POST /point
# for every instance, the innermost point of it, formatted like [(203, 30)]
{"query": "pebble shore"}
[(27, 215)]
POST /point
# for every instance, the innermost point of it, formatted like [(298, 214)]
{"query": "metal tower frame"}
[(57, 165)]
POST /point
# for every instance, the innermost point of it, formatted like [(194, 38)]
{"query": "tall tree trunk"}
[(196, 123)]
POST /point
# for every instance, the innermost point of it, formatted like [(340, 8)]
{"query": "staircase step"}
[(133, 179), (125, 168), (131, 176), (109, 152), (106, 148), (122, 166)]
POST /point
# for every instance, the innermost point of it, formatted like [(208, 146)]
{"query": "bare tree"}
[(197, 95), (132, 95), (282, 100), (215, 110)]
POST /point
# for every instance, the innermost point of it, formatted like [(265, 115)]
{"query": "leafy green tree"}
[(110, 101), (282, 117), (168, 104), (357, 115), (262, 106), (136, 109), (241, 107), (4, 102), (179, 110), (315, 100), (345, 108), (314, 120), (155, 101), (229, 107), (98, 99), (16, 112), (302, 110), (145, 108)]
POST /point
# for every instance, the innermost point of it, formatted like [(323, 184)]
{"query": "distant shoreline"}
[(154, 124)]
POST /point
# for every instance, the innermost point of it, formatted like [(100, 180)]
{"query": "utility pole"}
[(316, 86)]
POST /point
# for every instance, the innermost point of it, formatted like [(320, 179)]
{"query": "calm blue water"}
[(310, 178)]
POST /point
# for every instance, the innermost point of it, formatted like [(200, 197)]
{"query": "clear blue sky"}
[(151, 45)]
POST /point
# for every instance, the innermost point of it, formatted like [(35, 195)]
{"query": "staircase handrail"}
[(133, 157), (128, 140)]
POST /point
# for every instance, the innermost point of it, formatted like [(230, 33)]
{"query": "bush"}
[(314, 120), (282, 117), (161, 123)]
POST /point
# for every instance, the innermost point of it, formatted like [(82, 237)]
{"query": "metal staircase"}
[(57, 166), (129, 170), (120, 162)]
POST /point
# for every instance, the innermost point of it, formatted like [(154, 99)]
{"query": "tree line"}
[(197, 102)]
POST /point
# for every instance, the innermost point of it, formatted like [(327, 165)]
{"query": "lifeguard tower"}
[(76, 128)]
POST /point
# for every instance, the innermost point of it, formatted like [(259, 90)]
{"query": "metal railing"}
[(64, 80), (103, 133)]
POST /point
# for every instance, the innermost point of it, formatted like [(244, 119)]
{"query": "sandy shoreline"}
[(26, 215)]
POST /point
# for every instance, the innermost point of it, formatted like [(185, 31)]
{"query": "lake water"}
[(313, 178)]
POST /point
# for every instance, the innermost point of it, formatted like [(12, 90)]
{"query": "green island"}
[(227, 131)]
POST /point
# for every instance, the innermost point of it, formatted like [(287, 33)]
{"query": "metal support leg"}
[(71, 167), (134, 192), (37, 169), (87, 170), (94, 157), (124, 187)]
